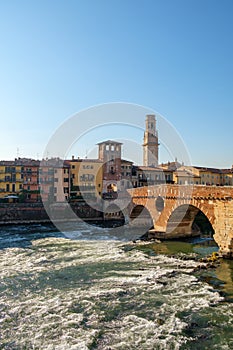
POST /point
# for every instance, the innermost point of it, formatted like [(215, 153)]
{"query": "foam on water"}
[(63, 294)]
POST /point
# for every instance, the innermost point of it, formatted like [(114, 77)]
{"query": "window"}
[(13, 187), (112, 148), (55, 179), (7, 187), (66, 179), (28, 188), (87, 177), (107, 147)]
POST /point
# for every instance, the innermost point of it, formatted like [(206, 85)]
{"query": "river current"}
[(87, 289)]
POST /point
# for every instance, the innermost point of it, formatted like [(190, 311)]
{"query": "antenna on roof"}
[(17, 152)]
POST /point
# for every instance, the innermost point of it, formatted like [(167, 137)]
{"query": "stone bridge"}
[(173, 209)]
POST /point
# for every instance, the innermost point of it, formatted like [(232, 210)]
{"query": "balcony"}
[(11, 180), (86, 188), (46, 182), (33, 182)]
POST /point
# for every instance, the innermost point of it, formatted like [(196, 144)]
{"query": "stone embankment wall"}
[(22, 213), (17, 213)]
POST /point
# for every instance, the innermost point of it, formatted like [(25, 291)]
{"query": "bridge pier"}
[(223, 227)]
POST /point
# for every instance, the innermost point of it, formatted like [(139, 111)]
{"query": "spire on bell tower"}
[(150, 142)]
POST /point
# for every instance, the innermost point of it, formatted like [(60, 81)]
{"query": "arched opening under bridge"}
[(140, 216), (187, 221), (114, 213)]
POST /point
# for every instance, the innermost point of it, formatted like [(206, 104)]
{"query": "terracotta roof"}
[(20, 162), (171, 165), (181, 173), (110, 142), (126, 161), (149, 168), (205, 169), (227, 171), (83, 160)]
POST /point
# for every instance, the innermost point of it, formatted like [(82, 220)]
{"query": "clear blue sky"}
[(173, 56)]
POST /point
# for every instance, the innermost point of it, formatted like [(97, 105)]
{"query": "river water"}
[(86, 288)]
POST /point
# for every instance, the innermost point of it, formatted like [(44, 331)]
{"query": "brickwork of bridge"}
[(173, 209)]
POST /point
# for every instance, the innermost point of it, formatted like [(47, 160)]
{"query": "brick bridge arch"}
[(216, 203)]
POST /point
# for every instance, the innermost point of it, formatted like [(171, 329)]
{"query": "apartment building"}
[(54, 180), (19, 180), (86, 178)]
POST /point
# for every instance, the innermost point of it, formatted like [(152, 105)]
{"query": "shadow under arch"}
[(113, 212), (140, 216), (188, 221)]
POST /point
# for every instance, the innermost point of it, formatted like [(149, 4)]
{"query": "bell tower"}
[(150, 142)]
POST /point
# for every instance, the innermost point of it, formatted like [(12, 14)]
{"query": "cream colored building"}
[(54, 180), (186, 175)]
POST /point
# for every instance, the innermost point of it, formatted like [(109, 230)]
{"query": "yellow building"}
[(204, 176), (227, 177), (86, 178), (210, 176), (11, 180)]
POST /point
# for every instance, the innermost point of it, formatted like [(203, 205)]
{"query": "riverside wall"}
[(27, 213)]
